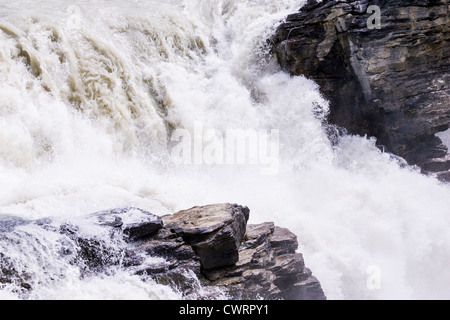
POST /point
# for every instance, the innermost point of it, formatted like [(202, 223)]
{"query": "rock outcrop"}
[(247, 262), (268, 268), (389, 79), (215, 232), (208, 249)]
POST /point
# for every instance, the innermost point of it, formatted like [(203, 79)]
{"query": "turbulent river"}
[(107, 104)]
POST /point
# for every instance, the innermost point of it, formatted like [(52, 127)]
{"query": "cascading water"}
[(90, 95)]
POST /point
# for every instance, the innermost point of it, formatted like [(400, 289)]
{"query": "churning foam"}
[(91, 93)]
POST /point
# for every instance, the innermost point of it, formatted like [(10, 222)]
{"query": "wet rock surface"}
[(215, 232), (269, 268), (246, 261), (134, 222), (209, 248), (390, 81)]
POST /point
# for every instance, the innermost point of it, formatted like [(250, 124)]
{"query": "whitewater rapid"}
[(91, 92)]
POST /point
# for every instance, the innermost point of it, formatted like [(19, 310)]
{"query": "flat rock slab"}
[(215, 232)]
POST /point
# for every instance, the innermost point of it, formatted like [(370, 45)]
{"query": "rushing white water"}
[(90, 92)]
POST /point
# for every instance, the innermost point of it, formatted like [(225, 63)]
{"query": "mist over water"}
[(91, 92)]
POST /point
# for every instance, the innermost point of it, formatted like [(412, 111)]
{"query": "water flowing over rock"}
[(209, 247), (135, 223), (388, 80)]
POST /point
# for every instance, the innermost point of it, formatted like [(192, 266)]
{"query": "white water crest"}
[(91, 91)]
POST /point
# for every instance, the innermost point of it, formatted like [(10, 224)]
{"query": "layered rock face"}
[(387, 78), (246, 262), (208, 249)]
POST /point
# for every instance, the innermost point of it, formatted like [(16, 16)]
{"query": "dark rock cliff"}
[(387, 78)]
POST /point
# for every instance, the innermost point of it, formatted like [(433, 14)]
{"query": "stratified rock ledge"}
[(248, 262), (205, 252)]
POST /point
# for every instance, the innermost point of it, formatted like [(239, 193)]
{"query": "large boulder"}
[(387, 80), (215, 232)]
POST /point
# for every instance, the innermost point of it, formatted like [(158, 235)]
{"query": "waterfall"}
[(97, 98)]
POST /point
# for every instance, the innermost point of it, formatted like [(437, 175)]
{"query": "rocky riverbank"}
[(211, 247), (390, 81)]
